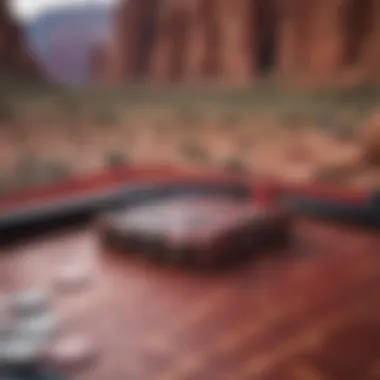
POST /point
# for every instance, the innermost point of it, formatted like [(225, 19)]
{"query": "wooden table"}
[(309, 312)]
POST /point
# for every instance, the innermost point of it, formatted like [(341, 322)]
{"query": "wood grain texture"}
[(309, 312)]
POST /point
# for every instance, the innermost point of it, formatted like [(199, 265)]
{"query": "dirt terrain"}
[(47, 135), (300, 156)]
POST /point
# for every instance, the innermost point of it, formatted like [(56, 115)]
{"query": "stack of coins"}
[(27, 326), (72, 352), (73, 278), (32, 346)]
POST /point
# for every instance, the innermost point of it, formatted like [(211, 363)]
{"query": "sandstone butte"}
[(238, 41), (15, 56)]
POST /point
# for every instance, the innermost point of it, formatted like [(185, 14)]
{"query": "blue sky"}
[(26, 9)]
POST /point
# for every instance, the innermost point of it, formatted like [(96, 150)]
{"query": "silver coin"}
[(30, 302), (7, 329), (4, 305), (3, 352), (38, 328), (16, 352), (72, 351), (73, 277)]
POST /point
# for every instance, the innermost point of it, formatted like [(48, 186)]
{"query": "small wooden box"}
[(195, 232)]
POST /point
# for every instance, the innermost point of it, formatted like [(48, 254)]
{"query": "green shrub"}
[(194, 152), (7, 114), (116, 159), (235, 165), (105, 118)]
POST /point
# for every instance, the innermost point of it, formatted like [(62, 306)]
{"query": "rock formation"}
[(14, 54), (97, 60), (235, 42), (369, 137)]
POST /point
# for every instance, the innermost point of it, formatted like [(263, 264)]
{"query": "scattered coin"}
[(73, 277), (4, 303), (30, 302), (6, 330), (71, 352), (38, 328), (20, 352)]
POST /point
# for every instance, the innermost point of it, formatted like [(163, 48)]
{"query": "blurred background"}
[(284, 88), (287, 89)]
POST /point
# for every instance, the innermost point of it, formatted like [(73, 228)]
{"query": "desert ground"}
[(47, 134)]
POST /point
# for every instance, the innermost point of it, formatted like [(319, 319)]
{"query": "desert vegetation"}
[(49, 133)]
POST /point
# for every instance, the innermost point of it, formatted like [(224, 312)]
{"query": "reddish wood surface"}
[(313, 313), (310, 312)]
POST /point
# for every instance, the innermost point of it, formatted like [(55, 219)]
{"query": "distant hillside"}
[(62, 39), (15, 58)]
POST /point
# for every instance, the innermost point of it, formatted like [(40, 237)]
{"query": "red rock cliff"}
[(237, 41), (14, 54)]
